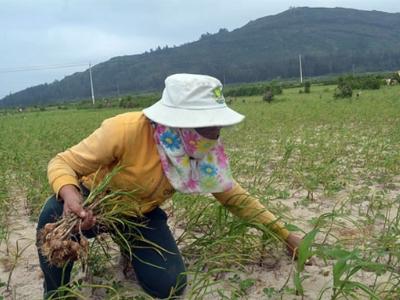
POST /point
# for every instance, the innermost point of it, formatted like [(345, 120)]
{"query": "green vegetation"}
[(347, 84), (4, 207), (330, 167), (256, 89), (307, 87), (343, 90), (368, 82)]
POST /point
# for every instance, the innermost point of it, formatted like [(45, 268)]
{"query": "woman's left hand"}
[(292, 244)]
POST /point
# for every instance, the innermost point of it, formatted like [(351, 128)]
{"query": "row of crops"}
[(329, 168)]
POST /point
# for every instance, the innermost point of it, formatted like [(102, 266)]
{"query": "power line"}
[(39, 68), (50, 67)]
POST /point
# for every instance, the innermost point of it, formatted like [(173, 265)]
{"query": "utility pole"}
[(91, 82), (301, 69)]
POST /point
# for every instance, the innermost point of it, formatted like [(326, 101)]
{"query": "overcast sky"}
[(50, 34)]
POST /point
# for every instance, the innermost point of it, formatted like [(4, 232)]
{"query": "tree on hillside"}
[(307, 87), (343, 90), (268, 95)]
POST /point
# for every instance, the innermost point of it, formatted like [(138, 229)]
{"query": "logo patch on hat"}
[(218, 95)]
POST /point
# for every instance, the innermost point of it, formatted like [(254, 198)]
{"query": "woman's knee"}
[(166, 285), (51, 211)]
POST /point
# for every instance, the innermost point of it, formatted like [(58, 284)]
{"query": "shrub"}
[(370, 83), (127, 102), (343, 90), (138, 101), (307, 87), (253, 89), (268, 96), (270, 91), (362, 82)]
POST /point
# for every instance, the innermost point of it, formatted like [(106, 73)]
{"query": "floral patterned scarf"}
[(191, 162)]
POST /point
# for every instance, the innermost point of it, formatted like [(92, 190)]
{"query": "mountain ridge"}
[(330, 40)]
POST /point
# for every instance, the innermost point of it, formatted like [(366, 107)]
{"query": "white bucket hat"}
[(192, 101)]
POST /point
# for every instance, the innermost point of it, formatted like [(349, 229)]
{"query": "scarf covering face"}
[(191, 162)]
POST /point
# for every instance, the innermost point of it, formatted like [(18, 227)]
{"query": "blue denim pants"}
[(168, 279)]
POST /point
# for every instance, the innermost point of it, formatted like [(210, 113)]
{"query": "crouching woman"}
[(173, 145)]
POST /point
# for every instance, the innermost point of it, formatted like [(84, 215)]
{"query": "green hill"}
[(330, 40)]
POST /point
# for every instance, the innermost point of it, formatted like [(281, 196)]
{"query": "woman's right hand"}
[(73, 199)]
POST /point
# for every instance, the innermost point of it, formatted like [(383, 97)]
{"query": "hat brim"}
[(192, 118)]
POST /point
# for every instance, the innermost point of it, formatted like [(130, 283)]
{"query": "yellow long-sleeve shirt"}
[(127, 140)]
